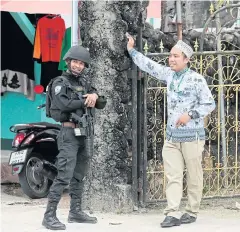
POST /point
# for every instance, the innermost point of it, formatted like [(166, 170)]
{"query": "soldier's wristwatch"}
[(190, 114)]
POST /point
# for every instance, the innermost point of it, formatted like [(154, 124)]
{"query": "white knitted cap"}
[(186, 49)]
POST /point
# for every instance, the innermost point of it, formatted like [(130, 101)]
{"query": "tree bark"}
[(103, 28)]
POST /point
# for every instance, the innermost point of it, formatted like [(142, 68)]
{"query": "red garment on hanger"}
[(48, 38)]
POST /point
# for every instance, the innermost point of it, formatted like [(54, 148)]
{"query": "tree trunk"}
[(103, 28), (193, 8), (168, 15)]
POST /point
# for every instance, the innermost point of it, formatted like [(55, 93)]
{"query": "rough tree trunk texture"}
[(167, 9), (103, 28), (196, 14)]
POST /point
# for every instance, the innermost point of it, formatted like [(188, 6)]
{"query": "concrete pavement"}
[(24, 215), (18, 213), (28, 219)]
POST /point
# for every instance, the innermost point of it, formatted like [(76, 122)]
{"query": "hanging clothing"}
[(66, 44), (48, 39)]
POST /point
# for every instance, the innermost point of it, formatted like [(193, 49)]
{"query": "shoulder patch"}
[(57, 89), (79, 88)]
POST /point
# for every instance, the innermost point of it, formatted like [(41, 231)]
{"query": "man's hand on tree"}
[(130, 43), (90, 99)]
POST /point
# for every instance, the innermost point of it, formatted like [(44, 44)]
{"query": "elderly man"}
[(189, 101)]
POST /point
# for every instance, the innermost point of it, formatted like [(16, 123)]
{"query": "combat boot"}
[(77, 215), (50, 220)]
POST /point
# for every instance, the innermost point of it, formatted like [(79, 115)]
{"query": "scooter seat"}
[(47, 124), (18, 127)]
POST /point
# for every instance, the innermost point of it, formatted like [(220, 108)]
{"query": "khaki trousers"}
[(175, 157)]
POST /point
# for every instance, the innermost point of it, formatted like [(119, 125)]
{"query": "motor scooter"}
[(34, 156)]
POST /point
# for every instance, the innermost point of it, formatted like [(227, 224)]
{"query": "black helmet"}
[(78, 53)]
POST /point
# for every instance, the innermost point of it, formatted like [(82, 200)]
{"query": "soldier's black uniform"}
[(72, 160)]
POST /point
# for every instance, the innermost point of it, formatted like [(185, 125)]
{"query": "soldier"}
[(72, 160), (189, 102)]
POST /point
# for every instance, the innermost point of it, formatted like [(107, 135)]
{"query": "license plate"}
[(18, 157)]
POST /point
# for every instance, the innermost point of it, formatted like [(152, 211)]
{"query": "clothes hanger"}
[(51, 16)]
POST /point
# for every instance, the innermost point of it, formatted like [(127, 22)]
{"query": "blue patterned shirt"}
[(187, 91)]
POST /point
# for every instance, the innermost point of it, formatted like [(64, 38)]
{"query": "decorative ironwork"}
[(145, 48), (211, 9), (221, 174), (161, 46), (215, 11), (196, 46)]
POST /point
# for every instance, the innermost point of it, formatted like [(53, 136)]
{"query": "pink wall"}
[(40, 6), (154, 9), (62, 7)]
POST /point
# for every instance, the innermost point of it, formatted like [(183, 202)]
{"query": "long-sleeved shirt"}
[(186, 91), (48, 39)]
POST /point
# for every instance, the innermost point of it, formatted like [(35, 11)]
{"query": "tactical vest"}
[(51, 110)]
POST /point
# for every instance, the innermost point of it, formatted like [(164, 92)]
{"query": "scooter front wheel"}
[(34, 184)]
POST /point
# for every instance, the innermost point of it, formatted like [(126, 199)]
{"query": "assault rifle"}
[(85, 129)]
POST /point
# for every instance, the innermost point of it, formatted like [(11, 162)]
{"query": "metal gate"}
[(221, 156), (221, 167)]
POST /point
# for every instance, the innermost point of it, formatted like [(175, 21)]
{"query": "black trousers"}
[(72, 165)]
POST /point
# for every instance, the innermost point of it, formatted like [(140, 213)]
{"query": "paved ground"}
[(6, 170), (23, 215)]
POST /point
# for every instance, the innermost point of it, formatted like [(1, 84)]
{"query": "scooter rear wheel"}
[(34, 184)]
